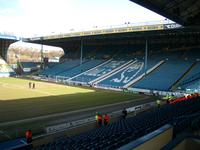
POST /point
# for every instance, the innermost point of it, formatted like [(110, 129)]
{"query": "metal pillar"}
[(81, 57), (6, 45), (146, 56), (41, 54), (1, 48)]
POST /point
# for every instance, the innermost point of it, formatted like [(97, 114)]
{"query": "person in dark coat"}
[(29, 85), (124, 113), (33, 85)]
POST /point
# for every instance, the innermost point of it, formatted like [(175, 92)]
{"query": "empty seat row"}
[(124, 131)]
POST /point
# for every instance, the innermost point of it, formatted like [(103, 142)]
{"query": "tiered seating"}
[(80, 68), (5, 69), (29, 64), (194, 73), (100, 52), (165, 76), (192, 79), (98, 71), (192, 86), (162, 78), (127, 74), (126, 130), (192, 54), (60, 67), (52, 64)]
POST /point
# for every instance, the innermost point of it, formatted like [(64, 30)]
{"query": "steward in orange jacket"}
[(100, 120), (106, 119), (28, 136)]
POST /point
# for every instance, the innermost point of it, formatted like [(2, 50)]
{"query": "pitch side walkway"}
[(82, 113)]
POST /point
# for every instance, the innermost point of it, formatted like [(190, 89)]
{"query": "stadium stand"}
[(114, 57), (52, 64), (29, 64), (165, 76), (127, 74), (163, 72), (147, 141), (80, 68), (60, 67), (29, 67), (101, 52), (124, 131), (99, 72), (193, 86), (192, 79), (5, 69)]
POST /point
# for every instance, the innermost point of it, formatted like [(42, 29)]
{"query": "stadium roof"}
[(8, 36), (176, 35), (107, 31), (184, 12)]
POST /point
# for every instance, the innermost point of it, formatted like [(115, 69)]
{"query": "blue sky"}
[(31, 17)]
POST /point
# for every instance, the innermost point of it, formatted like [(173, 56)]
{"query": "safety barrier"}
[(69, 125), (156, 92)]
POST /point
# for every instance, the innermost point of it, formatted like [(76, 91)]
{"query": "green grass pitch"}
[(18, 102)]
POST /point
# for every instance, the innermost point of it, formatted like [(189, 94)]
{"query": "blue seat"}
[(165, 76), (124, 131)]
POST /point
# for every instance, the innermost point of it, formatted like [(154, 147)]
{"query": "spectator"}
[(158, 103), (100, 119), (29, 85), (33, 85), (106, 119), (124, 113), (96, 117), (28, 136)]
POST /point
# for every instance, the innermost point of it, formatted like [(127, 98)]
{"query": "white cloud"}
[(6, 11)]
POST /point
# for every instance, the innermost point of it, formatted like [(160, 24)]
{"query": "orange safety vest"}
[(107, 118), (99, 118)]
